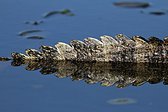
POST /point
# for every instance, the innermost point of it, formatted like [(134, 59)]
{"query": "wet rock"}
[(166, 40), (51, 53), (83, 52), (34, 53), (155, 41), (4, 59), (132, 4), (19, 56), (66, 51), (96, 49)]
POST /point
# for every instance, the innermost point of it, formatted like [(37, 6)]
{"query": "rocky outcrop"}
[(107, 49)]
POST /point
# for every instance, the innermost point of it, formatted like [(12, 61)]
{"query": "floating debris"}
[(24, 33), (50, 13), (63, 12), (121, 101), (34, 22), (128, 4), (35, 37), (67, 12), (4, 59), (158, 13)]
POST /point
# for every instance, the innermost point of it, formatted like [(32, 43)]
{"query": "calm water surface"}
[(25, 91)]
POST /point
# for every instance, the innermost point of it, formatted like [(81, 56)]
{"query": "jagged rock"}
[(107, 49)]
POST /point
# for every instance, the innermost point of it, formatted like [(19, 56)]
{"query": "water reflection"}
[(107, 74)]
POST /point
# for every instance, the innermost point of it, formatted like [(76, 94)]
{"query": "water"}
[(25, 91)]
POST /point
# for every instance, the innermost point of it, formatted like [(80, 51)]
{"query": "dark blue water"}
[(25, 91)]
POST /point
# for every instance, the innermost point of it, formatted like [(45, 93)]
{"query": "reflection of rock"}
[(35, 37), (132, 4), (158, 13), (107, 74)]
